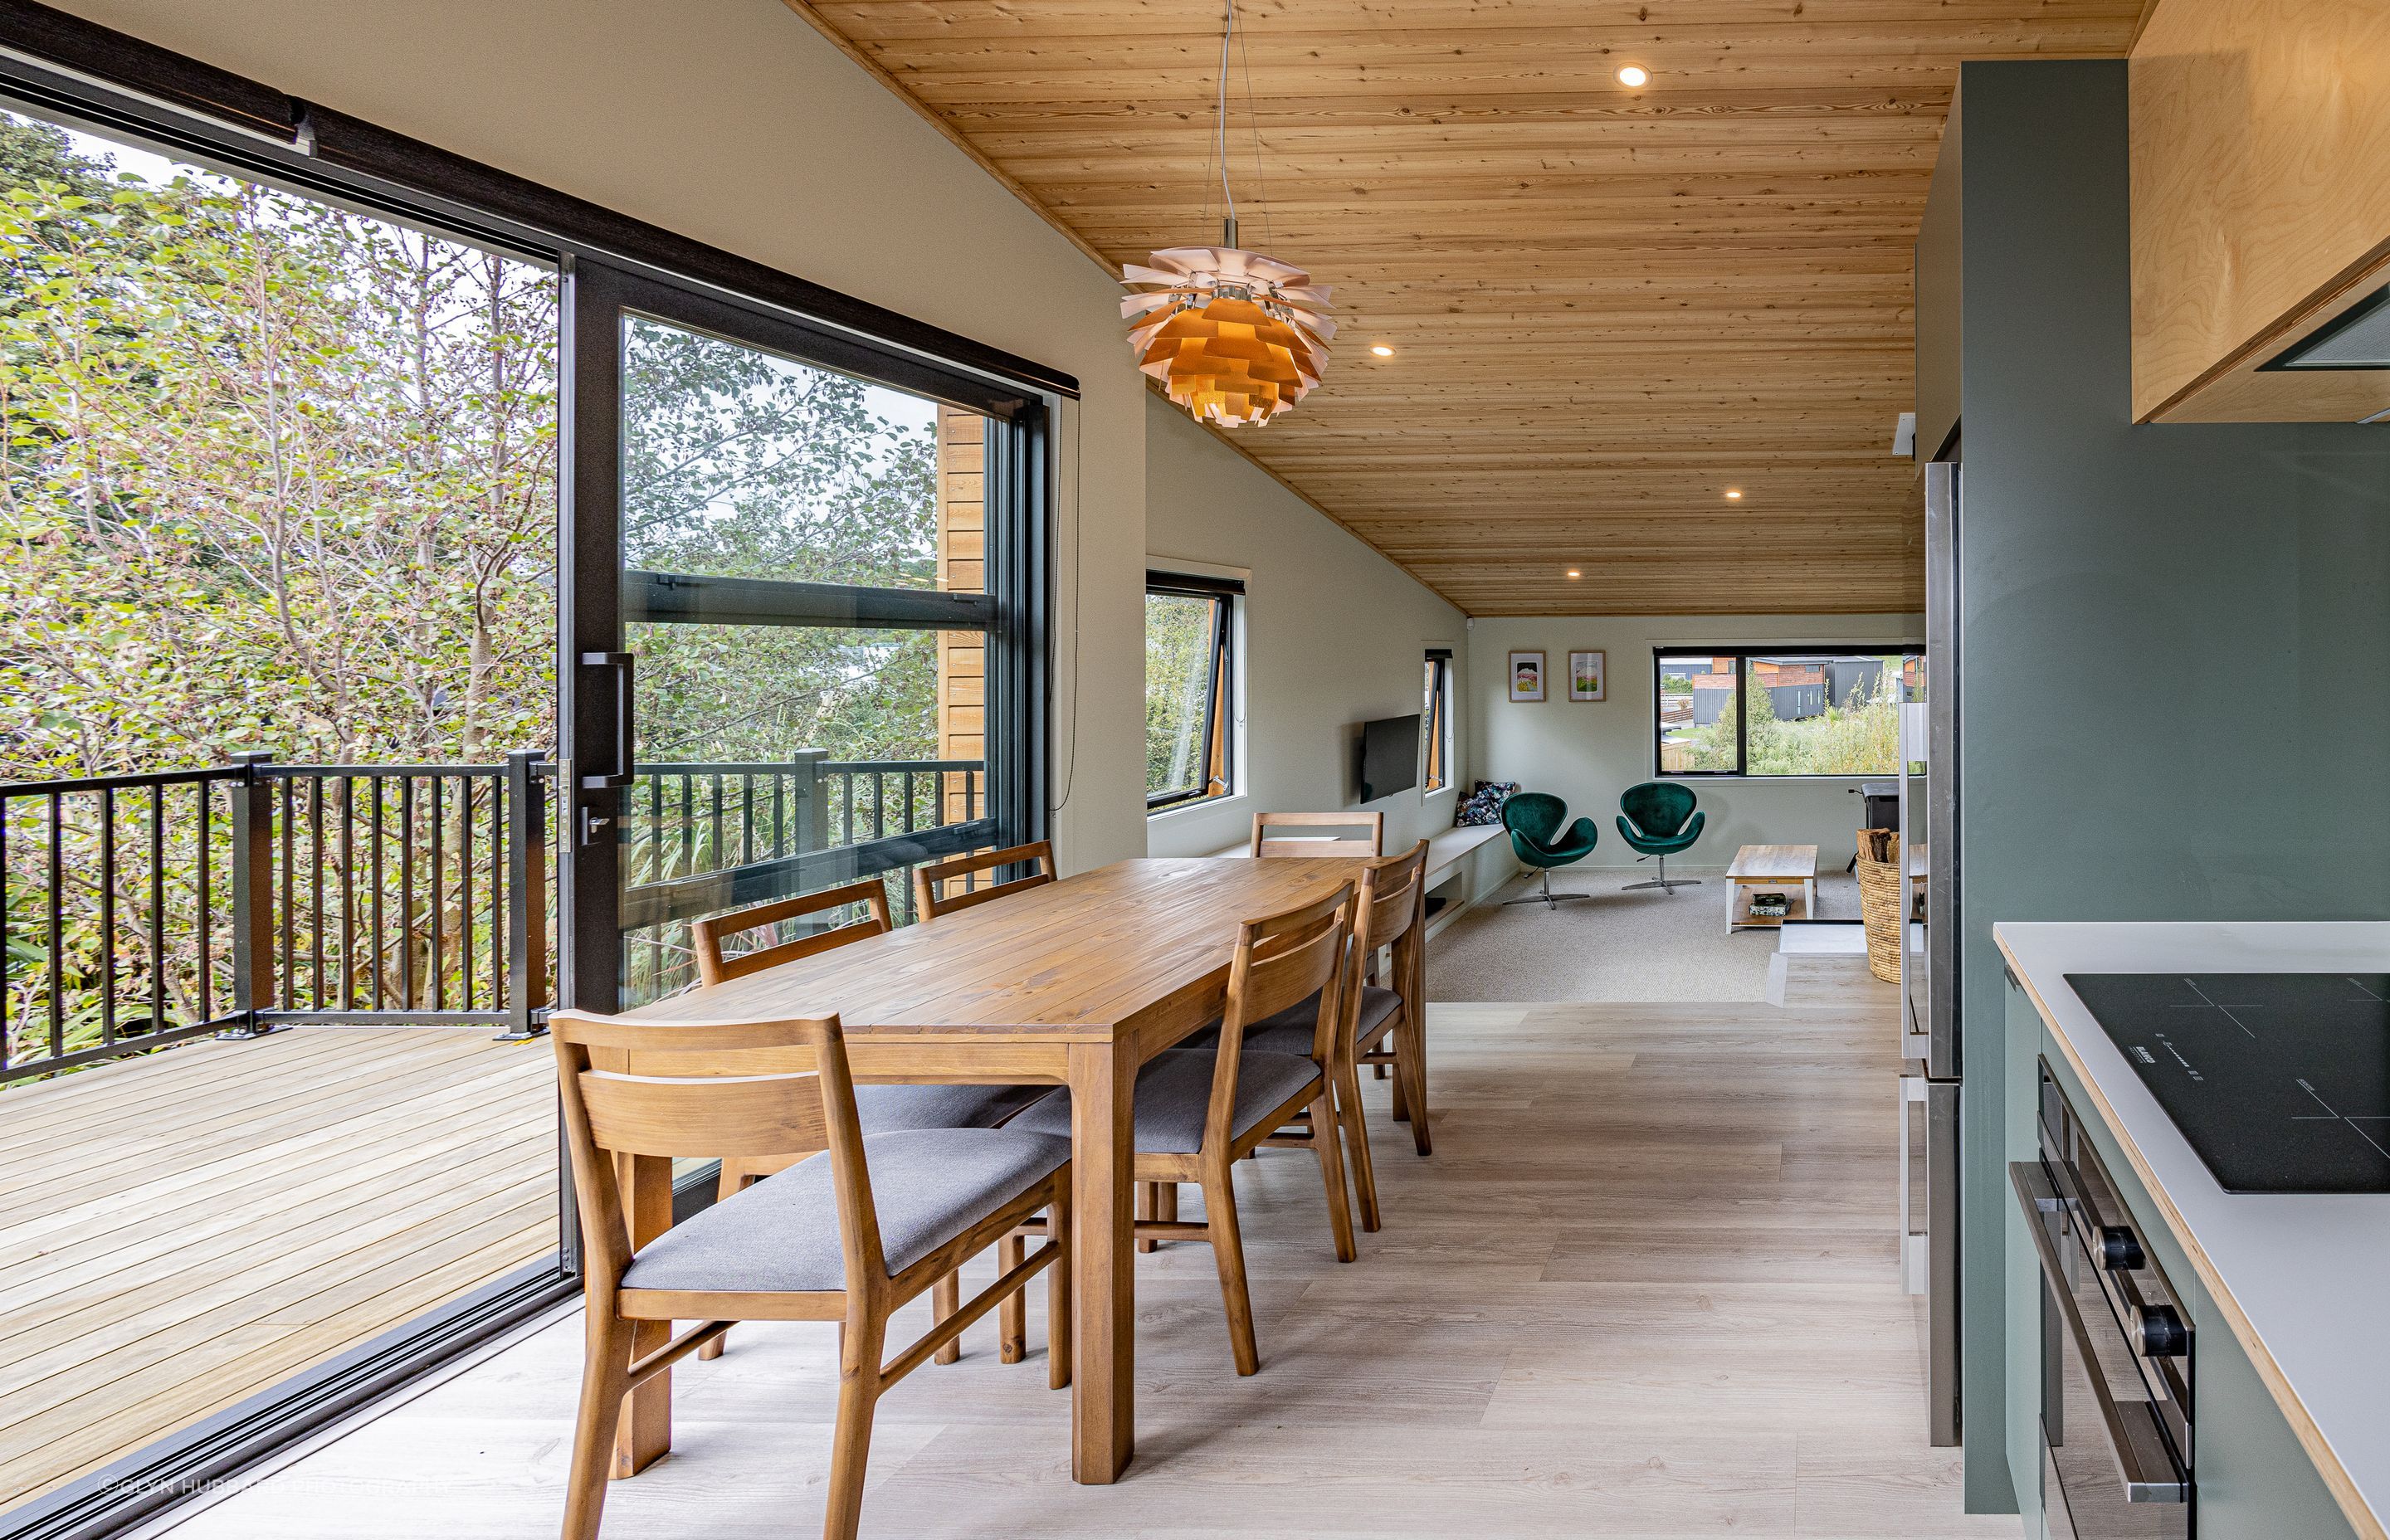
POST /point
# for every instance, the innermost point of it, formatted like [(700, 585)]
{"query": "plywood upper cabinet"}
[(2261, 202)]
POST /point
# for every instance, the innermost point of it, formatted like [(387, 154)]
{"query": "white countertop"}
[(2301, 1279)]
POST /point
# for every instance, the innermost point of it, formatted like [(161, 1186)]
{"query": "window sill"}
[(1183, 810)]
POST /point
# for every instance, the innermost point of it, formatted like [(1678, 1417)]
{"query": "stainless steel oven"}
[(2115, 1349)]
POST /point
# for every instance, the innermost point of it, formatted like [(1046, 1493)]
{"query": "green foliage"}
[(1861, 738), (1179, 632)]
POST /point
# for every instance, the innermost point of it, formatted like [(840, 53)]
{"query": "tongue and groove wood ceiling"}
[(1608, 305)]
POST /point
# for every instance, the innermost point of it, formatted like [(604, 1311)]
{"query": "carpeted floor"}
[(1640, 946)]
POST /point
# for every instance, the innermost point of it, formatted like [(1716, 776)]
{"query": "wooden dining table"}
[(1078, 982)]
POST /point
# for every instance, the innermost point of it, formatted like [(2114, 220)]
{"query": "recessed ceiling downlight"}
[(1634, 75), (1381, 350)]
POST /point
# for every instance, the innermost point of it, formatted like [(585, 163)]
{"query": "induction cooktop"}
[(2281, 1081)]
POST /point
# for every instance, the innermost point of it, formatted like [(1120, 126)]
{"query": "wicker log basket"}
[(1883, 896)]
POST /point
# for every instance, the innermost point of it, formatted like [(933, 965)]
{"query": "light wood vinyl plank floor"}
[(1646, 1287)]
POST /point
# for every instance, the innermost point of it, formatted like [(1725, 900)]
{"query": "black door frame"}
[(595, 597)]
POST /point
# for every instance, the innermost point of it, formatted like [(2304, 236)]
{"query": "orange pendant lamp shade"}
[(1233, 335)]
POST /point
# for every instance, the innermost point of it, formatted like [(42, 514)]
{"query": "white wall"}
[(734, 122), (1589, 752), (1334, 636)]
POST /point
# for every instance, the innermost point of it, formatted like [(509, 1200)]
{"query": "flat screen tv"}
[(1390, 752)]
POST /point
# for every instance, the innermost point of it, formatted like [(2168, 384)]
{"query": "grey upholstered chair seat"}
[(781, 1234), (1175, 1091), (1296, 1029), (888, 1108)]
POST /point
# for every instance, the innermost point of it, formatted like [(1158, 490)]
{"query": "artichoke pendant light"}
[(1233, 335)]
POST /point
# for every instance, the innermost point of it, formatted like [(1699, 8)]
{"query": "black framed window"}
[(1436, 721), (551, 278), (1781, 712), (1190, 681)]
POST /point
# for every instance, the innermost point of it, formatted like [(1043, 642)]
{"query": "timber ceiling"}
[(1607, 306)]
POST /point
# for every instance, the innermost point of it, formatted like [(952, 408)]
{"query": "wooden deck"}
[(181, 1231)]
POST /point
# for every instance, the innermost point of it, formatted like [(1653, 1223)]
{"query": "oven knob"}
[(2120, 1250), (2159, 1332)]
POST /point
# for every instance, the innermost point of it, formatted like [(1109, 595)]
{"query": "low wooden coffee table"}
[(1762, 866)]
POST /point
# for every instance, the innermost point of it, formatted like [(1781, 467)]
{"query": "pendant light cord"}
[(1221, 126)]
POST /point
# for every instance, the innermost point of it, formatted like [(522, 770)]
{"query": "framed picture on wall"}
[(1586, 675), (1527, 675)]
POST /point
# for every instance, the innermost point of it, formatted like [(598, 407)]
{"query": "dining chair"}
[(1198, 1111), (1392, 910), (1373, 828), (883, 1109), (860, 1225), (928, 903)]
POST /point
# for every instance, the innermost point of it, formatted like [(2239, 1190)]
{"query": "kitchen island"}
[(2292, 1376)]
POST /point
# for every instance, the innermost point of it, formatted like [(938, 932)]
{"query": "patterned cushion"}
[(781, 1235), (1483, 806)]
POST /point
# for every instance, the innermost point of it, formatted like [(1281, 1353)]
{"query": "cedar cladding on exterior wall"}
[(962, 656)]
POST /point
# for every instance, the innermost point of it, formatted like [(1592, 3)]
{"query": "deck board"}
[(182, 1230)]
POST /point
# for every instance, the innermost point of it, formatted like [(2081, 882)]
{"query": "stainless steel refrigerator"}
[(1929, 972)]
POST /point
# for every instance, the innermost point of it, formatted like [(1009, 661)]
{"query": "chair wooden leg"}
[(858, 1396), (605, 1380), (1228, 1253), (725, 1185), (1382, 1075), (1331, 1172), (1357, 1133), (1166, 1201), (1410, 1068), (945, 1298), (1058, 1291), (1013, 1315), (1148, 1198)]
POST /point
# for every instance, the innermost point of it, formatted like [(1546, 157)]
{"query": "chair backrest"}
[(929, 903), (700, 1090), (1394, 893), (1371, 828), (707, 935), (1282, 959), (1657, 807), (1538, 816)]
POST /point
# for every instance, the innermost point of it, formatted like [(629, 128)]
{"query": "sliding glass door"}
[(801, 621)]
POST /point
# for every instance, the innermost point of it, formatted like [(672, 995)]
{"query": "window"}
[(1436, 720), (1747, 712), (1189, 678)]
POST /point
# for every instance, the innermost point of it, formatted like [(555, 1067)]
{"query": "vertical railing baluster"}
[(527, 892), (879, 804), (7, 1042), (746, 819), (348, 892), (655, 828), (283, 966), (315, 891), (157, 908), (688, 825), (58, 931), (713, 853), (374, 967), (407, 892), (207, 938), (779, 814), (107, 916), (465, 892), (910, 794), (438, 911)]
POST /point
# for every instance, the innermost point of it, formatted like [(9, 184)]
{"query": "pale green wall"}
[(2174, 700)]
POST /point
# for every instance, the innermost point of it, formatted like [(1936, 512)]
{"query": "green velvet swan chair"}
[(1535, 820), (1659, 818)]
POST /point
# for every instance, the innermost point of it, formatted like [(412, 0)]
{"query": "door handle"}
[(622, 663), (2150, 1472)]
